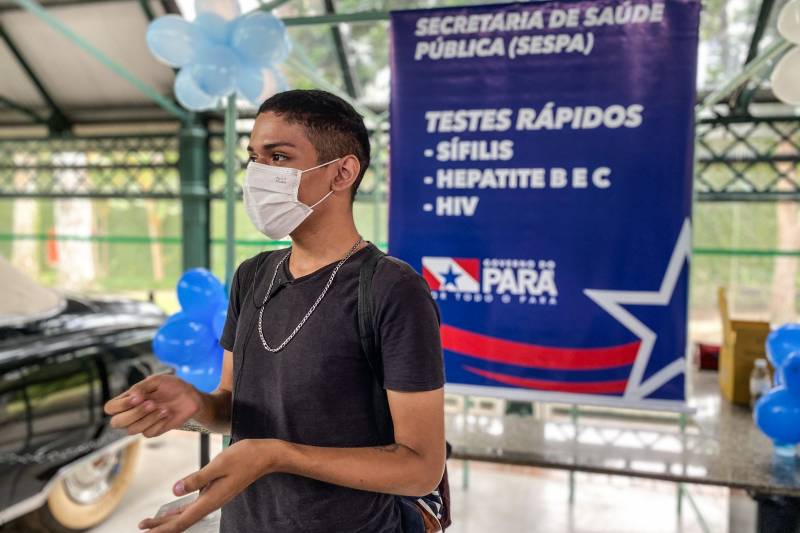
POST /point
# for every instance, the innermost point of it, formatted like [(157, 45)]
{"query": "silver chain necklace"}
[(311, 310)]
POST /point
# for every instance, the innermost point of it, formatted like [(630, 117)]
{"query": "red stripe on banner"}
[(470, 266), (595, 387), (534, 356), (433, 283)]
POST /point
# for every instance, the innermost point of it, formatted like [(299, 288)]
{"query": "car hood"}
[(24, 299)]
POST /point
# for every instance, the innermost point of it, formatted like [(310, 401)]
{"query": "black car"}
[(62, 468)]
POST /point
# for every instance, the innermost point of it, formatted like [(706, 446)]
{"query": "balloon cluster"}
[(189, 339), (785, 77), (777, 413), (220, 53)]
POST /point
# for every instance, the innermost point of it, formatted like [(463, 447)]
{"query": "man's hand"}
[(228, 474), (155, 405), (412, 466)]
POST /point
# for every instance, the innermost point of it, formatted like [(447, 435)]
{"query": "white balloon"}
[(227, 9), (786, 78), (789, 21)]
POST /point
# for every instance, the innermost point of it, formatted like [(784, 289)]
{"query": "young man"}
[(310, 451)]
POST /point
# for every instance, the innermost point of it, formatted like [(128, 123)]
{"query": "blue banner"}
[(541, 178)]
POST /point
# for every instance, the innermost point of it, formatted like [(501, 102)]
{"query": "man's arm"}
[(412, 466), (408, 322), (163, 402)]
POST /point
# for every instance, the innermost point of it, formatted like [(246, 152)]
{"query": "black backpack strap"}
[(248, 315), (366, 329)]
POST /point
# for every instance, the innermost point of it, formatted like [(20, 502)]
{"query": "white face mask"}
[(270, 198)]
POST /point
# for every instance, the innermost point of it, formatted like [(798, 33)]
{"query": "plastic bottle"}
[(760, 382)]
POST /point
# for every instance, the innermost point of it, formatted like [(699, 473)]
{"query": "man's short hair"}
[(332, 126)]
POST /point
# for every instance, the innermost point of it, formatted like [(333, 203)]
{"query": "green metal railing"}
[(738, 159), (125, 167), (748, 159), (138, 239)]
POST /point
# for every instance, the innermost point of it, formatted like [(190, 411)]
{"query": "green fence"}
[(131, 188)]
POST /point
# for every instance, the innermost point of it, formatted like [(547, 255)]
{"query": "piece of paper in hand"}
[(209, 524)]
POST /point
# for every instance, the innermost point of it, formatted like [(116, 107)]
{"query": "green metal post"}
[(194, 169), (148, 13), (339, 18), (574, 417), (194, 165), (274, 4), (348, 77), (231, 166), (465, 471), (681, 488), (745, 94), (777, 48)]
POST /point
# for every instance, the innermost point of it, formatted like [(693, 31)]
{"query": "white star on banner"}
[(612, 302)]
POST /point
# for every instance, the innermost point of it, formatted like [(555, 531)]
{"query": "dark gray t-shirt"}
[(319, 389)]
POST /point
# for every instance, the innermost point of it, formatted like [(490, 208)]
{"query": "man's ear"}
[(349, 167)]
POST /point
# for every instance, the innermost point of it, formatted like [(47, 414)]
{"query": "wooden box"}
[(742, 343)]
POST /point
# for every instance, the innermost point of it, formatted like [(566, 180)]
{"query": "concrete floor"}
[(499, 500)]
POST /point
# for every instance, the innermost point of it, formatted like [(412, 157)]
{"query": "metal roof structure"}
[(53, 83), (79, 71), (48, 79)]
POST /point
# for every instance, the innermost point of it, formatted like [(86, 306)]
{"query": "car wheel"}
[(88, 494)]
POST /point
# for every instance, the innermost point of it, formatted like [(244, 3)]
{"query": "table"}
[(717, 445)]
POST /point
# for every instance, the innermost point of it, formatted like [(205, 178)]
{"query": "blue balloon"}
[(214, 70), (257, 84), (791, 373), (206, 375), (172, 40), (778, 415), (250, 83), (781, 370), (190, 95), (180, 315), (200, 294), (218, 321), (260, 39), (214, 28), (221, 53), (778, 412), (782, 342), (181, 341)]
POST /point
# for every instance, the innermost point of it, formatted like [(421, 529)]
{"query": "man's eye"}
[(277, 158), (252, 157)]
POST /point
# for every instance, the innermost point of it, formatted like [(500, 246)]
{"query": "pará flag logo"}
[(452, 274)]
